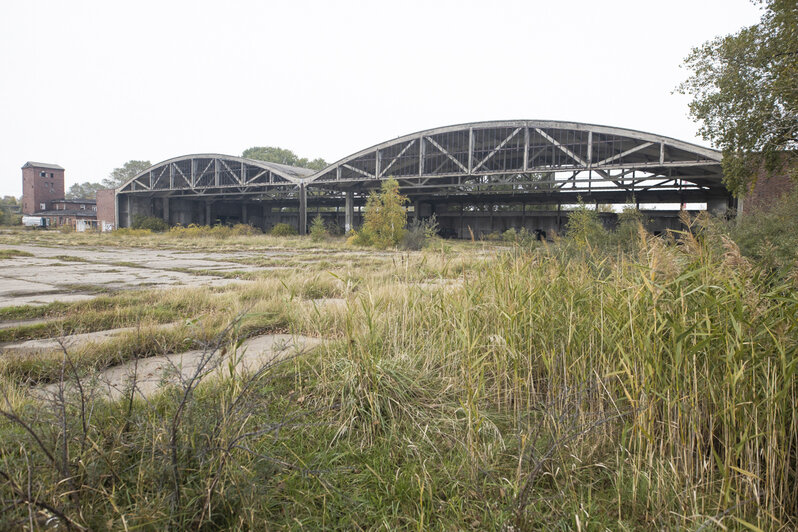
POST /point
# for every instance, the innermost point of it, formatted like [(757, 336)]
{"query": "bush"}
[(630, 222), (283, 230), (419, 233), (126, 231), (769, 237), (318, 231), (153, 223), (217, 231), (584, 227), (385, 217), (521, 237)]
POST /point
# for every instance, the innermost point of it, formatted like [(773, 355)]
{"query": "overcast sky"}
[(90, 85)]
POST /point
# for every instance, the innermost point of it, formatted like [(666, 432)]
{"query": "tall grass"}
[(568, 386)]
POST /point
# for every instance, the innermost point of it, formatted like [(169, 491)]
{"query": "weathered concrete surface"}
[(46, 277), (151, 374), (21, 323), (73, 340), (72, 274)]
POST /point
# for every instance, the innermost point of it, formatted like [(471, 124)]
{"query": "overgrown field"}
[(646, 384)]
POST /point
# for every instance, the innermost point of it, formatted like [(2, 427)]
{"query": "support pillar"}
[(349, 211), (717, 206), (129, 212), (243, 213), (303, 210), (559, 221), (166, 217), (208, 213), (523, 215), (266, 217), (416, 210)]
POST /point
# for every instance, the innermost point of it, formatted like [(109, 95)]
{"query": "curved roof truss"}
[(550, 155), (208, 174)]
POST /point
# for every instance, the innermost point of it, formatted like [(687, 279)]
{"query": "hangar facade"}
[(476, 178)]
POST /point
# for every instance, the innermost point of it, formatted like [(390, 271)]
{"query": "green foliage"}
[(584, 226), (283, 229), (127, 171), (522, 237), (385, 217), (419, 233), (318, 231), (153, 223), (770, 237), (10, 211), (84, 190), (273, 154), (220, 232), (745, 93), (630, 222)]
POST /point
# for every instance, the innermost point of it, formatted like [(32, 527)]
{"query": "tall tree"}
[(273, 154), (84, 190), (745, 94), (127, 171)]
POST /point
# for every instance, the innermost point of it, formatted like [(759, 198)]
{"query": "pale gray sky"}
[(90, 85)]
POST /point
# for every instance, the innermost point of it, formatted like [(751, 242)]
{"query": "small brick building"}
[(43, 195), (42, 183)]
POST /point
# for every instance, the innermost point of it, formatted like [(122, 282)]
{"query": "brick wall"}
[(106, 207), (38, 189), (768, 190)]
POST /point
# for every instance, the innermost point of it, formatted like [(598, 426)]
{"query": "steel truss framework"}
[(515, 161)]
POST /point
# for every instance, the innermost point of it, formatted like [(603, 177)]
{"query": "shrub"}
[(627, 234), (769, 237), (318, 231), (127, 231), (584, 226), (217, 231), (282, 229), (419, 233), (385, 217), (153, 223)]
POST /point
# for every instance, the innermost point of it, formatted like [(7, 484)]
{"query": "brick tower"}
[(41, 184)]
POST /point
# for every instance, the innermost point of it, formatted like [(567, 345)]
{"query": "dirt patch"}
[(149, 375)]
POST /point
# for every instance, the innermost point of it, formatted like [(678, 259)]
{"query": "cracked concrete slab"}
[(150, 375)]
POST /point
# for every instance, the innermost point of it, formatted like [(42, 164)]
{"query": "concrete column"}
[(303, 210), (243, 213), (166, 210), (717, 206), (208, 213), (129, 212), (416, 210), (349, 211), (266, 217), (116, 211)]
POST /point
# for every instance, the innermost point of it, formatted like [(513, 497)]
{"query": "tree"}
[(273, 154), (121, 175), (385, 217), (745, 94), (84, 190)]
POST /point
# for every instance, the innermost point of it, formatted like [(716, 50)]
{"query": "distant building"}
[(41, 184), (43, 195), (106, 209)]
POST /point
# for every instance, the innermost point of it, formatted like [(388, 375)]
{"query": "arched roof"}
[(511, 146), (205, 171)]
